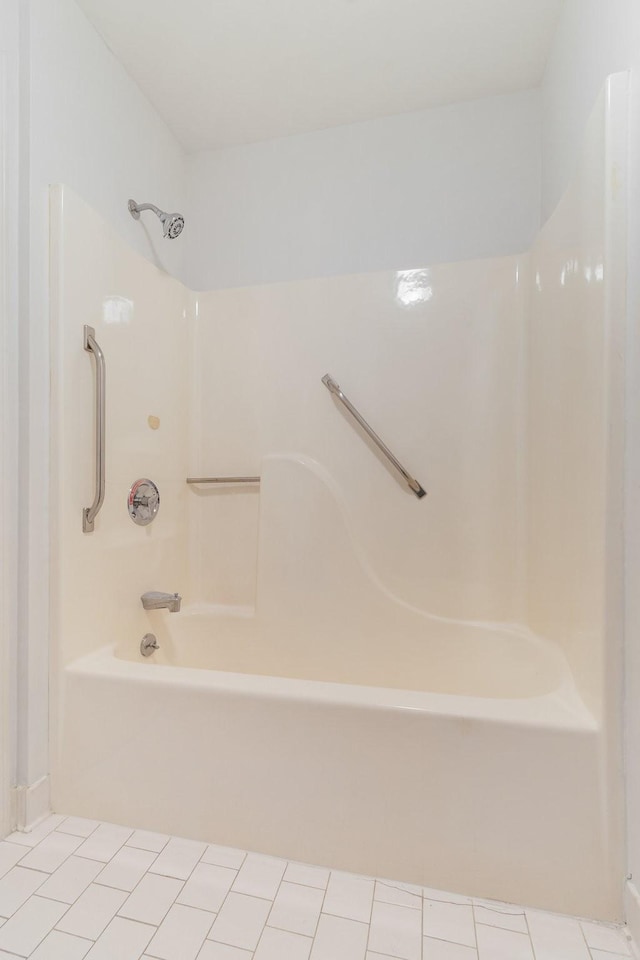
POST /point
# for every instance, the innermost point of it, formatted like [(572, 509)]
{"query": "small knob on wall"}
[(148, 645), (143, 502)]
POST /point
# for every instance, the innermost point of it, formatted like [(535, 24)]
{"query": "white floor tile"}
[(442, 950), (93, 911), (207, 887), (143, 895), (260, 876), (71, 879), (181, 934), (378, 956), (178, 858), (603, 955), (221, 951), (30, 925), (339, 939), (150, 901), (78, 826), (442, 896), (224, 856), (155, 842), (508, 920), (51, 852), (10, 853), (307, 875), (122, 940), (241, 921), (104, 842), (16, 887), (282, 945), (497, 944), (127, 868), (349, 896), (396, 930), (62, 946), (608, 939), (449, 921), (296, 908), (33, 837), (402, 894), (556, 938)]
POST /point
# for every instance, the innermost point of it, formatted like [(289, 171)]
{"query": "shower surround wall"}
[(140, 317), (449, 666), (390, 340)]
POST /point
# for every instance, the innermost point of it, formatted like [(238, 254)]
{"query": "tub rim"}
[(562, 708)]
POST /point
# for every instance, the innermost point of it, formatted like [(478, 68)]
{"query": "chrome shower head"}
[(172, 223)]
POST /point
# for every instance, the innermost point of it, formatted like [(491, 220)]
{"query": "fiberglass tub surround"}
[(421, 689)]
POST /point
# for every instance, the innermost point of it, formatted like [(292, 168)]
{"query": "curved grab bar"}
[(89, 514), (412, 483)]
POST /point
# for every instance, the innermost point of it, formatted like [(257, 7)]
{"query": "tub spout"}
[(154, 600)]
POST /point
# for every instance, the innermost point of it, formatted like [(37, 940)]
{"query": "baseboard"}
[(31, 804), (632, 914)]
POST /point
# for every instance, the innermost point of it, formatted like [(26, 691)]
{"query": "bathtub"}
[(450, 789), (336, 724)]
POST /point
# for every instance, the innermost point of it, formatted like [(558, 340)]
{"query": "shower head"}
[(172, 223)]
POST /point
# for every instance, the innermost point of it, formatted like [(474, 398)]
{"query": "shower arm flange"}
[(135, 209)]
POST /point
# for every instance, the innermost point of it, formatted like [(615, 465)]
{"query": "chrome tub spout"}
[(154, 600)]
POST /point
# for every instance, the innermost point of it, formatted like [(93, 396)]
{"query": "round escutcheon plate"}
[(143, 502)]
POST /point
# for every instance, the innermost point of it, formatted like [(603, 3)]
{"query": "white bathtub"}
[(340, 725), (454, 790)]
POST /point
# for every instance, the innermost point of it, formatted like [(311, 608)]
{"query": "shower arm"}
[(411, 482), (135, 209)]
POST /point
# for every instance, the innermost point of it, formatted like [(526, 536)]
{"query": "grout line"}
[(133, 846), (32, 869), (373, 897), (456, 943), (56, 923), (59, 829), (475, 927), (226, 897), (453, 903), (533, 948), (391, 886), (128, 892), (324, 897), (584, 937), (502, 913)]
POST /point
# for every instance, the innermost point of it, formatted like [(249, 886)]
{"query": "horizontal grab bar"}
[(412, 483), (89, 514), (223, 479)]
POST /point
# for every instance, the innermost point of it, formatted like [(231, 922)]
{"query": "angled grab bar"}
[(89, 514), (223, 480), (411, 482)]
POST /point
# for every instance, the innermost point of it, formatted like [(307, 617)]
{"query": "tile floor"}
[(75, 889)]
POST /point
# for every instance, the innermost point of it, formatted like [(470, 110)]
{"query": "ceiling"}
[(225, 72)]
